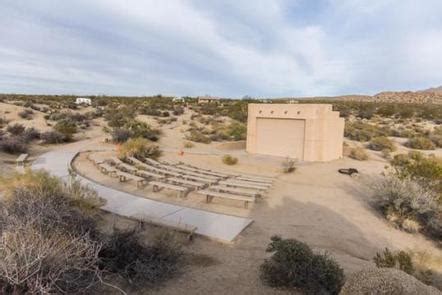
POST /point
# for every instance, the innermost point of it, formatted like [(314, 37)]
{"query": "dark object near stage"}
[(349, 171)]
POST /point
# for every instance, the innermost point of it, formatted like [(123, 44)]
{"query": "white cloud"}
[(226, 48)]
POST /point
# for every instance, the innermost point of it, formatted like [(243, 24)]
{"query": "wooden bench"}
[(21, 160), (152, 162), (149, 175), (127, 168), (260, 184), (107, 169), (123, 177), (202, 171), (243, 185), (93, 158), (116, 161), (192, 184), (158, 186), (253, 179), (197, 178), (212, 194), (233, 190)]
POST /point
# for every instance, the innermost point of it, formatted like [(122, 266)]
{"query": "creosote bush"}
[(358, 153), (420, 143), (124, 254), (294, 265), (229, 160), (52, 137), (381, 143), (16, 129), (139, 148)]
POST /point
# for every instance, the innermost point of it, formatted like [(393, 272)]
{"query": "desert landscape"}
[(308, 201), (221, 147)]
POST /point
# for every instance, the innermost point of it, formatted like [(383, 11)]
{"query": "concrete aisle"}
[(213, 225)]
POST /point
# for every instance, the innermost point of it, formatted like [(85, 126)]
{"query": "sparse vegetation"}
[(288, 166), (381, 143), (139, 148), (358, 153), (294, 265), (420, 143), (229, 160)]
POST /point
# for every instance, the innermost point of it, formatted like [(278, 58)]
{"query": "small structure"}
[(83, 100), (307, 132), (178, 99), (207, 99)]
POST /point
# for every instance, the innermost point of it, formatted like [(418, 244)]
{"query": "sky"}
[(230, 48)]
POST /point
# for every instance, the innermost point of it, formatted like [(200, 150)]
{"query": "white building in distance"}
[(83, 100)]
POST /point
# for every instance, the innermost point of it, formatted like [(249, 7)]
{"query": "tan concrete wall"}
[(323, 131)]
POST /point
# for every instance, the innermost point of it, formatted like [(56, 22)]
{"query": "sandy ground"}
[(315, 204), (10, 113)]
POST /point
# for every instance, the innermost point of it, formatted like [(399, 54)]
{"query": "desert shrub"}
[(26, 114), (237, 131), (139, 148), (188, 145), (363, 132), (120, 135), (30, 134), (229, 160), (3, 122), (198, 136), (288, 165), (402, 200), (436, 136), (294, 265), (66, 127), (425, 170), (52, 137), (125, 255), (16, 129), (381, 143), (420, 143), (52, 249), (142, 129), (177, 111), (13, 145), (400, 260), (358, 153)]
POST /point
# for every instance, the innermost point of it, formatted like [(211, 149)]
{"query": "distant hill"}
[(431, 95), (434, 89)]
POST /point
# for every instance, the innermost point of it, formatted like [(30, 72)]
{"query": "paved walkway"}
[(213, 225)]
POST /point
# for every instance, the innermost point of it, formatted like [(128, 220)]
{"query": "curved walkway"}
[(213, 225)]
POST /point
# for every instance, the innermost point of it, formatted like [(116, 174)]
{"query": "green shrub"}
[(363, 132), (198, 136), (139, 148), (66, 127), (26, 114), (52, 137), (294, 265), (420, 143), (237, 131), (400, 260), (124, 254), (381, 143), (358, 153), (229, 160), (188, 145), (16, 129), (13, 145)]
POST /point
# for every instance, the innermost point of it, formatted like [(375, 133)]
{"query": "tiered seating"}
[(157, 186), (210, 194), (184, 178)]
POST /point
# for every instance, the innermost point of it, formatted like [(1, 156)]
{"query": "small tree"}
[(66, 127)]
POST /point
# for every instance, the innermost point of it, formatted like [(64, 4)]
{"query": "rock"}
[(385, 281)]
